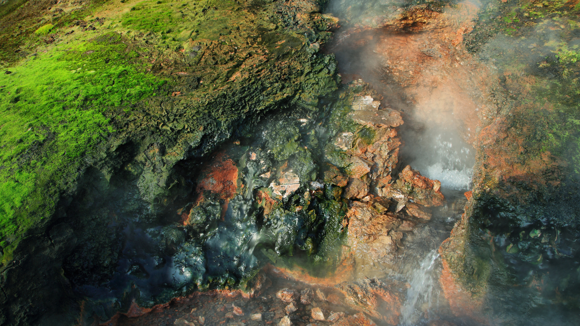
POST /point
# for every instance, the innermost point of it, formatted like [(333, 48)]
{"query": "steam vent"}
[(289, 162)]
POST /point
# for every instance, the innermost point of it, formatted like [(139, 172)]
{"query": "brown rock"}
[(290, 308), (333, 176), (320, 295), (285, 321), (416, 211), (286, 295), (359, 319), (317, 314), (411, 185), (305, 296), (183, 322), (381, 119), (334, 299), (406, 226), (358, 167), (368, 231), (237, 310), (356, 189), (335, 316), (365, 103)]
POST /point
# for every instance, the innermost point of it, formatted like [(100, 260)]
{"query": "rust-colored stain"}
[(266, 201), (462, 304), (219, 176), (342, 274)]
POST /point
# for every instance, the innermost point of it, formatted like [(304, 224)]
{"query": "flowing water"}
[(422, 291)]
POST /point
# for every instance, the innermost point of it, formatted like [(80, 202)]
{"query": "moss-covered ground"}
[(79, 76)]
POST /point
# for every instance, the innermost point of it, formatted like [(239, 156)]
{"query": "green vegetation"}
[(44, 29), (178, 21), (23, 24), (51, 117)]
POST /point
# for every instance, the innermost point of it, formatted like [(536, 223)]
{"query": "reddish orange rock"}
[(468, 195), (286, 295)]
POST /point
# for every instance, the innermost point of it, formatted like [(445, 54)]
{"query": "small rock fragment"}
[(182, 322), (335, 316), (286, 295), (290, 308), (344, 140), (320, 295), (418, 212), (256, 317), (356, 189), (238, 311), (305, 296), (201, 320), (285, 321), (357, 167), (317, 314)]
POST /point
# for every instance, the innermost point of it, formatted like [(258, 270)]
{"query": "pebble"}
[(290, 308), (286, 295), (317, 314), (238, 311), (285, 321)]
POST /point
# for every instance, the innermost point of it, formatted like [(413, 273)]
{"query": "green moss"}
[(51, 113), (23, 23), (45, 29), (180, 20)]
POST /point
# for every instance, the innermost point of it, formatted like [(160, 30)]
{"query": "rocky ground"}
[(227, 178)]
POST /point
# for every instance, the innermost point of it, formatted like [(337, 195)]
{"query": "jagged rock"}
[(357, 167), (333, 176), (366, 112), (290, 308), (317, 314), (365, 103), (288, 183), (369, 232), (320, 295), (356, 189), (378, 299), (237, 310), (285, 321), (305, 296), (344, 140), (381, 119), (286, 295), (411, 185), (182, 322), (416, 211), (359, 319), (335, 316)]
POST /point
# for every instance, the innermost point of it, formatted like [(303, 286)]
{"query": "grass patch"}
[(180, 20), (45, 29), (51, 116), (23, 24)]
